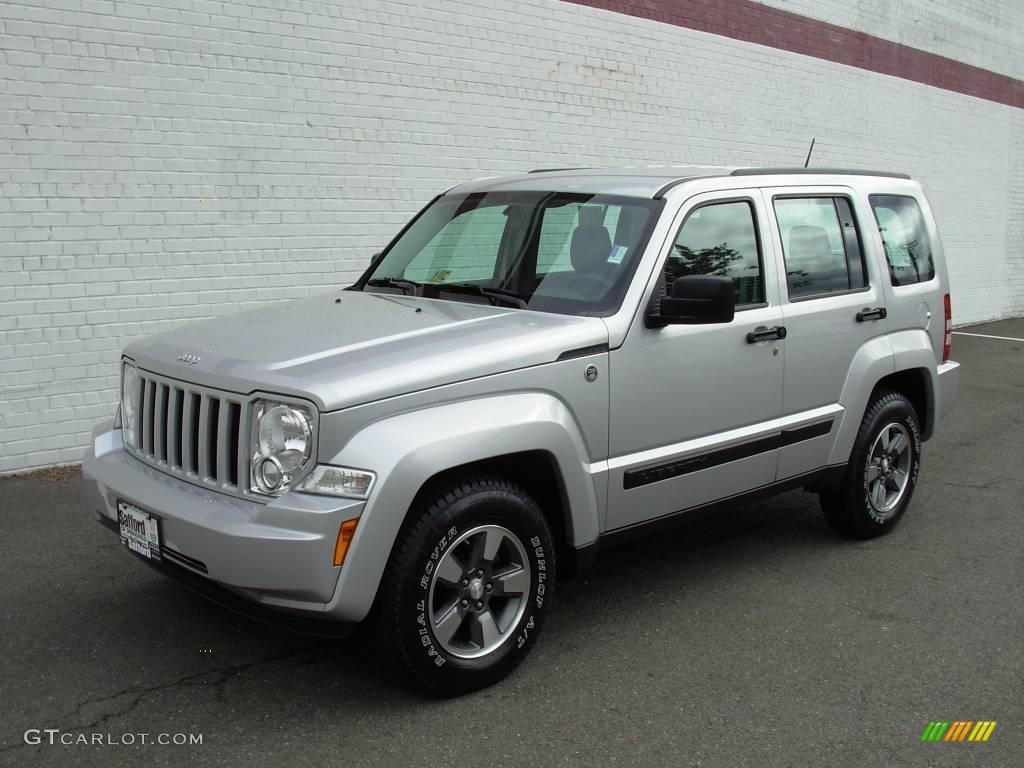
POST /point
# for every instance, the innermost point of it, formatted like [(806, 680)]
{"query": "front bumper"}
[(277, 555)]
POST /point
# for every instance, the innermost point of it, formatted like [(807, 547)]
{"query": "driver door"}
[(695, 408)]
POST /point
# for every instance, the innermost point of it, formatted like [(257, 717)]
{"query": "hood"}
[(349, 347)]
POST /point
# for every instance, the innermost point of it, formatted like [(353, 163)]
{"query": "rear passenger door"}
[(832, 303)]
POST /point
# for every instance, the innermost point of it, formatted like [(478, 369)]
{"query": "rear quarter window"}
[(908, 250), (820, 246)]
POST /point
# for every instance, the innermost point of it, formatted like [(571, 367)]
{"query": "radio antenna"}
[(807, 162)]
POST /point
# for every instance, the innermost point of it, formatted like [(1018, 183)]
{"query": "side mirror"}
[(699, 300)]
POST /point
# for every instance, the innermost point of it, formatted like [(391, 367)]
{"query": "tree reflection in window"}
[(719, 240), (907, 249)]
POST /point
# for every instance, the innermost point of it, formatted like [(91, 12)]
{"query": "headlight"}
[(282, 444), (131, 390), (337, 481)]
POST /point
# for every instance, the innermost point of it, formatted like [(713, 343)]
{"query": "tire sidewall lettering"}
[(426, 637)]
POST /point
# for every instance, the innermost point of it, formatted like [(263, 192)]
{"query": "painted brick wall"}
[(1013, 289), (164, 160), (983, 33)]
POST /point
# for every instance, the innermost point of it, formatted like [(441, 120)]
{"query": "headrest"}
[(591, 215), (631, 220)]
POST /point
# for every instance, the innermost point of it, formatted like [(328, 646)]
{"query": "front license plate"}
[(140, 531)]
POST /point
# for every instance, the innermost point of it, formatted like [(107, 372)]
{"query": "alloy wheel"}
[(478, 591), (888, 470)]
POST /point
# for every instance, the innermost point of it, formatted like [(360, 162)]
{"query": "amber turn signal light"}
[(345, 534)]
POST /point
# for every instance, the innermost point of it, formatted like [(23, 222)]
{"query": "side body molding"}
[(407, 449)]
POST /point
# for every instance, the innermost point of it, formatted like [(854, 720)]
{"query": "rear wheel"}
[(881, 473), (467, 586)]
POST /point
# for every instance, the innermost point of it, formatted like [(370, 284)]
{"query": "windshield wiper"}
[(408, 286), (498, 294)]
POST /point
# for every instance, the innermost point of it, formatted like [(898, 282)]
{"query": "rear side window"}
[(720, 239), (907, 249), (820, 246)]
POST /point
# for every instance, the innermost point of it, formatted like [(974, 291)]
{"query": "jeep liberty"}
[(534, 366)]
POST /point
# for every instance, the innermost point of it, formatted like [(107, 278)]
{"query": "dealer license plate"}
[(140, 531)]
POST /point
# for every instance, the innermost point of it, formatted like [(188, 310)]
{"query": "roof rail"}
[(815, 171), (556, 170)]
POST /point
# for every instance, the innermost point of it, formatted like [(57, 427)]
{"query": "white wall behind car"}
[(177, 159)]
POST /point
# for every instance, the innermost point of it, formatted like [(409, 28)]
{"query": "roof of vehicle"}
[(651, 181)]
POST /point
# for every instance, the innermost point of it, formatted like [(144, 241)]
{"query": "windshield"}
[(552, 252)]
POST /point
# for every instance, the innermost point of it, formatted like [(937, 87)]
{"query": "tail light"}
[(947, 342)]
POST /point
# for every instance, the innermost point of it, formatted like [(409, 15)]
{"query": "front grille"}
[(191, 431)]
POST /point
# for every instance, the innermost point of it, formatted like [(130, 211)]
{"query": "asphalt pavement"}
[(753, 637)]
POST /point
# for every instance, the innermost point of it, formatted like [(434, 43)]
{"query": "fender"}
[(911, 350), (407, 449), (872, 362), (876, 359)]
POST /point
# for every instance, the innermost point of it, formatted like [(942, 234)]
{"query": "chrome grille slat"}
[(173, 430), (204, 453), (143, 419), (243, 450), (159, 425), (223, 420), (150, 416), (152, 426), (188, 424), (212, 427), (192, 431)]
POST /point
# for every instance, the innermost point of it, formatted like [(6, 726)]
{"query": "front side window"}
[(720, 239), (907, 249), (552, 252), (820, 246)]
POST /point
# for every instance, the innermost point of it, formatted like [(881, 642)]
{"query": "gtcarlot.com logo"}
[(56, 737), (958, 730)]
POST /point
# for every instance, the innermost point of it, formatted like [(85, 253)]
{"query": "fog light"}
[(269, 473)]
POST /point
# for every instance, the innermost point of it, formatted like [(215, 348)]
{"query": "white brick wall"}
[(1013, 288), (983, 33), (165, 160)]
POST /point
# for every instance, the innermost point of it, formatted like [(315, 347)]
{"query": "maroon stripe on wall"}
[(755, 23)]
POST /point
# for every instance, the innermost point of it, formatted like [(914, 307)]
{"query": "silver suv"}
[(535, 366)]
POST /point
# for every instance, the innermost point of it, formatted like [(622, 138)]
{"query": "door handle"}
[(766, 334), (875, 313)]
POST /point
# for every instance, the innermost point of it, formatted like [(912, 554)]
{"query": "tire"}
[(467, 586), (882, 472)]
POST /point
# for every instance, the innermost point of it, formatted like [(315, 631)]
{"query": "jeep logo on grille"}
[(188, 358)]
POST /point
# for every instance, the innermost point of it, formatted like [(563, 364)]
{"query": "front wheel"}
[(467, 586), (882, 471)]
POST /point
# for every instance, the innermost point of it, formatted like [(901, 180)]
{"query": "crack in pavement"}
[(987, 485), (138, 693)]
